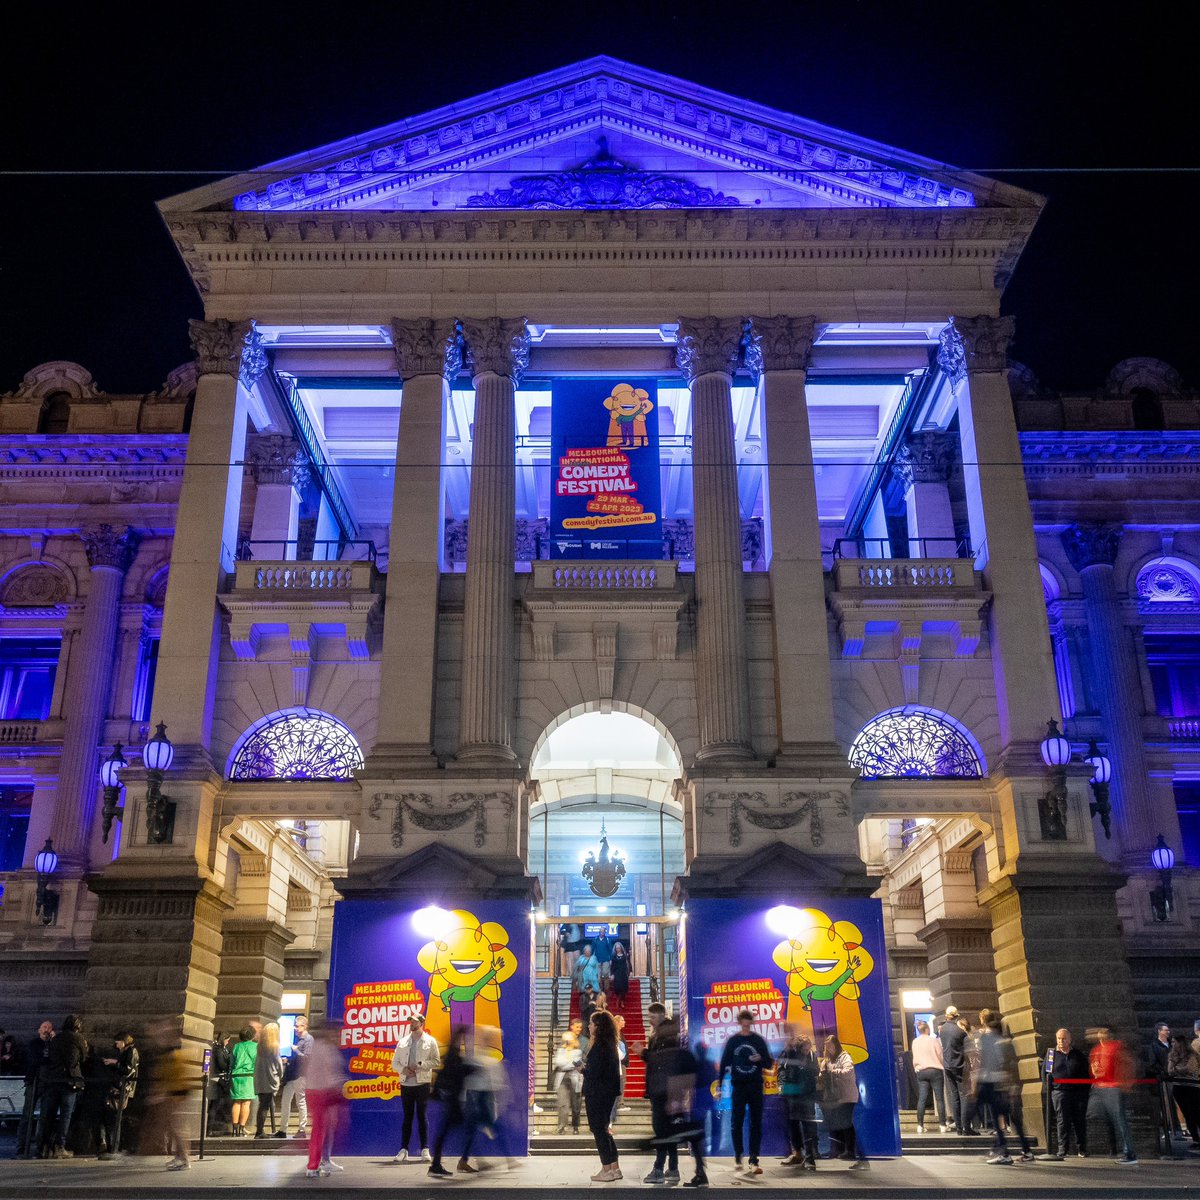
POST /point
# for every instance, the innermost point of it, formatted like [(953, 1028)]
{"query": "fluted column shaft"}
[(428, 354), (1092, 550), (87, 692), (707, 352), (498, 351), (205, 540), (778, 351), (974, 355)]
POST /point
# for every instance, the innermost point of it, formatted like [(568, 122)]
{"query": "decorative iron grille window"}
[(296, 743), (916, 743)]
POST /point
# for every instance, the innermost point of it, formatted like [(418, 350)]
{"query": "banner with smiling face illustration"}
[(465, 967), (817, 963)]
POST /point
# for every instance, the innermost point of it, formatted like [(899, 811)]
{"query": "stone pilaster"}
[(281, 472), (498, 353), (923, 465), (707, 354), (1092, 550), (205, 539), (974, 356), (962, 965), (429, 356), (86, 695), (778, 350), (252, 971)]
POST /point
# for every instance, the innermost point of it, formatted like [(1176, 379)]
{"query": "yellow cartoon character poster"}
[(627, 408)]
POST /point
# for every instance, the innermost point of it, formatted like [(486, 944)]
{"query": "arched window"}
[(56, 413), (1146, 409), (914, 742), (296, 743)]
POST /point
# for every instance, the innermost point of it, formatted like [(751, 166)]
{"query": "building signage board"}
[(817, 963), (605, 486), (468, 966)]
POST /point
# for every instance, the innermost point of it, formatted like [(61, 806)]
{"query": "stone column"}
[(923, 467), (1092, 550), (281, 472), (498, 353), (707, 354), (429, 355), (87, 691), (205, 539), (778, 351), (974, 354)]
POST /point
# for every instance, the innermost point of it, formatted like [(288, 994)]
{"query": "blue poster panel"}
[(605, 487), (467, 966), (817, 963)]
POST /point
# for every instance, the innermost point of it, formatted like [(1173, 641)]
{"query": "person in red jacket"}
[(1112, 1076)]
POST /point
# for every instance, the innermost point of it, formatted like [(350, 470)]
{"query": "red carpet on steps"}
[(634, 1032)]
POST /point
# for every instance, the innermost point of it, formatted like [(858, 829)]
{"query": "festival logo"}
[(824, 961)]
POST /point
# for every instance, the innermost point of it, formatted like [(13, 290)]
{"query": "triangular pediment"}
[(440, 874), (776, 869), (601, 134)]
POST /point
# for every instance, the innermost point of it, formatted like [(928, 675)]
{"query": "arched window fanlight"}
[(1168, 580), (914, 742), (296, 743)]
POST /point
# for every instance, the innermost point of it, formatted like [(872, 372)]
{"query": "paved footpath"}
[(248, 1176)]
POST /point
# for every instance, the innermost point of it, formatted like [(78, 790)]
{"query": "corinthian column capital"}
[(107, 548), (975, 344), (427, 347), (276, 458), (708, 345), (927, 457), (779, 343), (228, 348), (1091, 543), (497, 344)]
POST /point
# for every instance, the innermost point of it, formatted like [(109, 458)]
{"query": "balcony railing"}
[(19, 733), (885, 549), (583, 576), (904, 574), (311, 578), (332, 550)]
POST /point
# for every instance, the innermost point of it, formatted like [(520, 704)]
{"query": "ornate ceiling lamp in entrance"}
[(604, 872)]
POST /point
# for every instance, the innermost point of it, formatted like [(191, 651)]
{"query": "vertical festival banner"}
[(605, 487), (815, 963), (465, 967)]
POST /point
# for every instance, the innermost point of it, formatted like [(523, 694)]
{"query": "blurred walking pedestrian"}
[(798, 1071), (1112, 1076), (172, 1078), (746, 1057), (325, 1073), (568, 1082), (447, 1093)]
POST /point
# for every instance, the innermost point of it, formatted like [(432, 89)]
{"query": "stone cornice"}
[(1111, 452), (87, 450), (504, 239)]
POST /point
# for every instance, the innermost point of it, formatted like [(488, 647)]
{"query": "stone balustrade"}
[(19, 733), (1186, 727), (576, 576), (318, 577), (904, 574)]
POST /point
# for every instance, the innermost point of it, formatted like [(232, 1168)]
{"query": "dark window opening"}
[(1147, 409), (27, 670), (56, 413), (14, 827), (1187, 805), (143, 684), (1174, 662)]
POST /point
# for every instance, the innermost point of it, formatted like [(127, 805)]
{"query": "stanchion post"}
[(1048, 1087), (205, 1069)]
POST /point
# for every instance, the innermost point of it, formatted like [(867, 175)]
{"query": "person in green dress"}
[(241, 1079)]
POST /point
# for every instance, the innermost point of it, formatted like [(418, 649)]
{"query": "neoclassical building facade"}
[(325, 556)]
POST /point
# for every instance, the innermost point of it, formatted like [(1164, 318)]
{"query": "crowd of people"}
[(103, 1098)]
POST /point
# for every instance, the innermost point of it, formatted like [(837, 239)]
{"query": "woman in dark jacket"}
[(619, 968), (601, 1087), (798, 1073), (64, 1084)]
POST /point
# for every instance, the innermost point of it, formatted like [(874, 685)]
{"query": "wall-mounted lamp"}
[(1162, 898), (157, 755), (45, 863), (1052, 806), (110, 777), (1101, 774)]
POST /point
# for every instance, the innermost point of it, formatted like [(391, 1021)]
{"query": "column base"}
[(719, 752), (483, 754), (400, 758), (812, 760)]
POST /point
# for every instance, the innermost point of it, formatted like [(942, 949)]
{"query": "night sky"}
[(88, 272)]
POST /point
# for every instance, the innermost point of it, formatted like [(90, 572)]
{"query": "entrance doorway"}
[(606, 840)]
